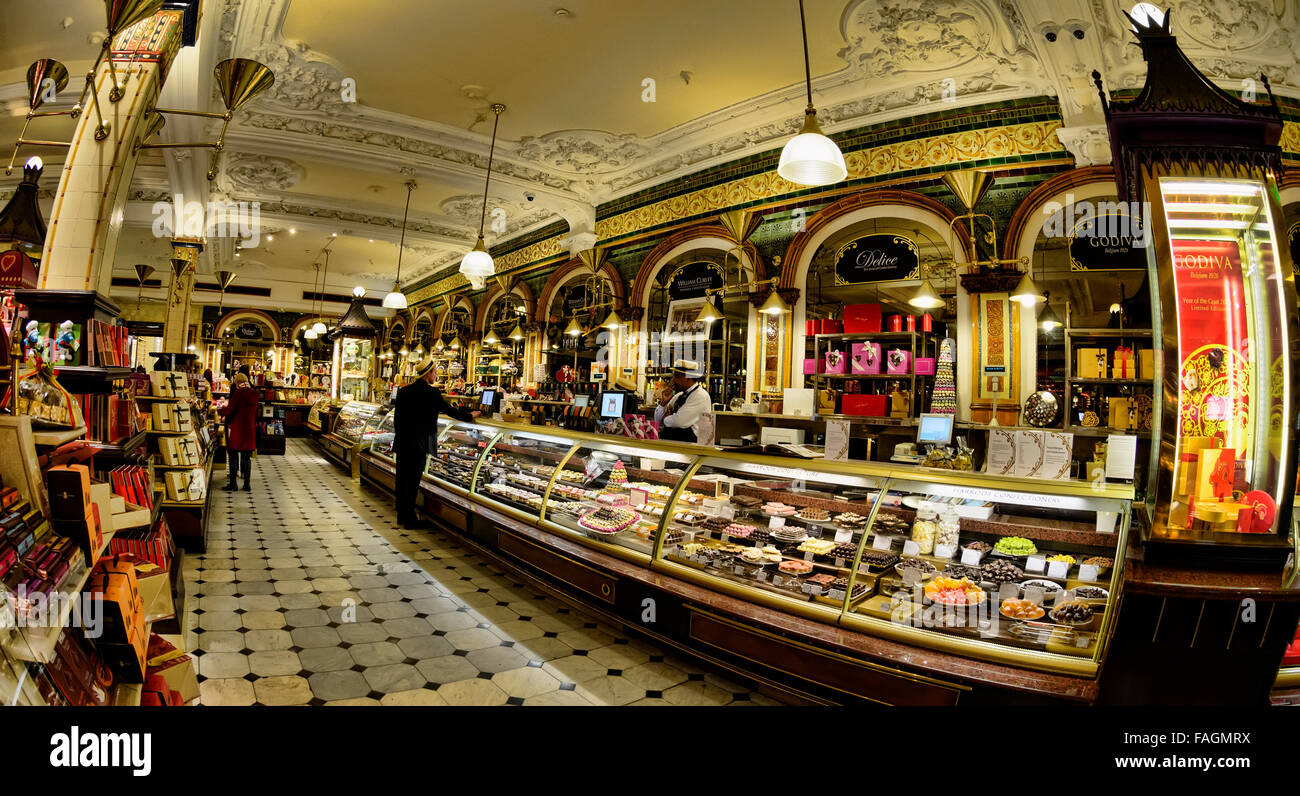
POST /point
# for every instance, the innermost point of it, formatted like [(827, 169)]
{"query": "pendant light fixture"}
[(709, 312), (455, 342), (774, 304), (396, 300), (491, 338), (319, 327), (574, 329), (477, 264), (1049, 321), (438, 346), (612, 321), (926, 298), (1027, 293), (810, 158), (517, 333), (310, 332)]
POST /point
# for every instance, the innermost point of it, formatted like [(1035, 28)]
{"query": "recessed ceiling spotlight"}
[(293, 231), (563, 13), (372, 240), (334, 234), (270, 237)]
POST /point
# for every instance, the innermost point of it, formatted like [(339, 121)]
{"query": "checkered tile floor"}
[(310, 594)]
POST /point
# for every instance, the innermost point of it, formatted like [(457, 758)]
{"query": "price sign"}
[(970, 557), (1058, 569), (727, 512), (988, 628), (882, 542), (638, 497), (808, 556), (836, 594), (712, 506), (842, 536), (1035, 594), (912, 577), (762, 574), (864, 568), (946, 551), (811, 588), (1089, 572), (1081, 641), (1008, 591), (738, 570), (776, 522), (1036, 564), (839, 562), (911, 548)]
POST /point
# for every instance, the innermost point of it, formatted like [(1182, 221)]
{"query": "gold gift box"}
[(1091, 363), (1123, 366)]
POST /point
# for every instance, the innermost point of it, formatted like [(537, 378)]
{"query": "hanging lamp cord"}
[(488, 177), (807, 69), (410, 186)]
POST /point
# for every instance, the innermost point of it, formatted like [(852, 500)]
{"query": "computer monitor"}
[(581, 401), (489, 399), (934, 429), (611, 405)]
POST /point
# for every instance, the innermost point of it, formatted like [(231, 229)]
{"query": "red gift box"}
[(927, 323), (895, 323), (870, 405), (925, 366), (861, 318), (911, 323)]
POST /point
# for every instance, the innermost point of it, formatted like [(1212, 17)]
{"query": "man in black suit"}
[(415, 434)]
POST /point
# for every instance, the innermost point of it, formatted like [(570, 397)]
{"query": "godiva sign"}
[(1104, 243), (876, 258)]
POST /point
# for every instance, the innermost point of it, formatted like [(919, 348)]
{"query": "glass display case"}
[(352, 365), (354, 417), (372, 427), (381, 435), (321, 410), (1019, 571)]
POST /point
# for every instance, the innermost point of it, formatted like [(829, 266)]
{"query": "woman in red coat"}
[(240, 412)]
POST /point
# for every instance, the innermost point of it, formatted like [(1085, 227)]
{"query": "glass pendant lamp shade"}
[(404, 352), (926, 298), (612, 321), (1049, 320), (396, 300), (574, 329), (491, 338), (517, 333), (1027, 293), (810, 158), (455, 342), (774, 305), (311, 333), (709, 313), (438, 346), (319, 328), (477, 263)]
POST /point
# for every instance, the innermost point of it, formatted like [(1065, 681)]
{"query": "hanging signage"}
[(876, 258), (17, 270), (249, 331), (575, 300), (1105, 243), (694, 280)]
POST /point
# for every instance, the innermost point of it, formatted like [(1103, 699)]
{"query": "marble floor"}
[(309, 594)]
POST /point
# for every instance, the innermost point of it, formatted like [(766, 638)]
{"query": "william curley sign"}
[(694, 280), (876, 258)]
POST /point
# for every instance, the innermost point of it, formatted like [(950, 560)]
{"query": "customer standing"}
[(415, 434), (240, 412)]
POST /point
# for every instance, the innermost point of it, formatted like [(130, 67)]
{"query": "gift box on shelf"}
[(866, 358), (895, 323), (925, 366), (861, 318), (909, 323), (164, 416), (835, 363), (831, 326), (1146, 364), (810, 367), (868, 405), (898, 362), (68, 488), (900, 403), (1118, 409), (1090, 363), (87, 532), (1124, 366), (826, 401)]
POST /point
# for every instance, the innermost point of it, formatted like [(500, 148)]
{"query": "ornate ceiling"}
[(578, 132)]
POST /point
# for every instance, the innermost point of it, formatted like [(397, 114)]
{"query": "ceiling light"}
[(310, 333), (319, 327), (574, 329), (270, 238), (404, 351), (1027, 293), (396, 299), (1147, 14), (1049, 320), (438, 346), (491, 338), (334, 234), (709, 313), (1116, 309), (455, 342), (21, 220), (774, 304), (358, 291), (612, 321), (810, 158), (477, 264), (926, 298), (517, 333), (293, 231)]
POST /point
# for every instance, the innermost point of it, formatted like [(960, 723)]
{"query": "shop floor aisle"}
[(309, 593)]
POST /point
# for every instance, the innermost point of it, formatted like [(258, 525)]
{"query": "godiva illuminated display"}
[(1206, 164), (353, 338)]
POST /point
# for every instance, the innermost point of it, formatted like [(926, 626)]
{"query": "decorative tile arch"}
[(230, 318), (705, 236), (563, 275), (521, 289), (1027, 220)]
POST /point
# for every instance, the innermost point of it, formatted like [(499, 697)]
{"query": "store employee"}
[(415, 435), (680, 410)]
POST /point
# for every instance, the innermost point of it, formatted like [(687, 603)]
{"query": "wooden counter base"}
[(807, 660)]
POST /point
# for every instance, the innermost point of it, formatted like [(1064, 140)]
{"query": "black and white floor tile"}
[(310, 594)]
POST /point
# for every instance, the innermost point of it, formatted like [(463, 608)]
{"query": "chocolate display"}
[(889, 523), (789, 534), (608, 519), (878, 560), (979, 547), (745, 501), (850, 519), (1001, 571), (962, 571), (1091, 593), (1072, 612), (844, 551), (794, 566), (818, 547), (1016, 546), (1100, 562), (814, 514), (920, 565), (821, 579)]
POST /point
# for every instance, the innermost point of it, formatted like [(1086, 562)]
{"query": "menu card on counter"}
[(1058, 452), (1001, 456), (1121, 454), (837, 440), (1030, 452)]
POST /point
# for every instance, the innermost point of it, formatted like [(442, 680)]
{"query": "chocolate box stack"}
[(114, 584), (71, 511)]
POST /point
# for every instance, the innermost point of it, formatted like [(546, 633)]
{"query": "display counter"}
[(355, 428), (997, 588), (321, 416)]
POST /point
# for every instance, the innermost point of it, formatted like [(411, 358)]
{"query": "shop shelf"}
[(54, 439)]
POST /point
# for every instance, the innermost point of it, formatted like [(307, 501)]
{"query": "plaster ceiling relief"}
[(258, 173), (304, 79), (583, 151)]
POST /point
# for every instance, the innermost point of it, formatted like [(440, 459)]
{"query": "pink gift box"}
[(836, 363), (810, 367), (898, 362), (866, 358), (925, 366)]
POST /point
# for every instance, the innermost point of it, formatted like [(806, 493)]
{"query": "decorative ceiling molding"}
[(258, 174)]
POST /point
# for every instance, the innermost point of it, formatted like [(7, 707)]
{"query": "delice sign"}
[(249, 331), (694, 280), (876, 258), (1093, 249)]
